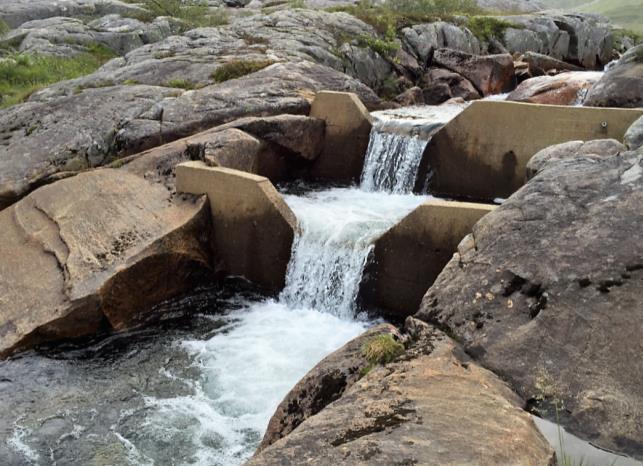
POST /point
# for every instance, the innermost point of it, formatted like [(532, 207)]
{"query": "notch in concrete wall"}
[(407, 258), (482, 153), (253, 226)]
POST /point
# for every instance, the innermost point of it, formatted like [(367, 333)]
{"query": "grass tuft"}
[(4, 28), (23, 74), (382, 349), (238, 68), (180, 84)]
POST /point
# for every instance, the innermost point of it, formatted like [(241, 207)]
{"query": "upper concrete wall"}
[(253, 227), (482, 153), (408, 257), (348, 128)]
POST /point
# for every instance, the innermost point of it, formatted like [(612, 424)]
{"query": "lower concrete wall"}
[(482, 153), (408, 257), (348, 128), (253, 227)]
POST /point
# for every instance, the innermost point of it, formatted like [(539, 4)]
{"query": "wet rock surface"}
[(562, 89), (410, 411), (546, 292), (96, 251)]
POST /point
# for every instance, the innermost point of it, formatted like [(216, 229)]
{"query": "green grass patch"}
[(487, 27), (180, 84), (392, 15), (23, 74), (194, 13), (238, 68), (380, 349)]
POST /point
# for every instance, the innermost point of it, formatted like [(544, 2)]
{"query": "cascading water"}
[(206, 397), (392, 162)]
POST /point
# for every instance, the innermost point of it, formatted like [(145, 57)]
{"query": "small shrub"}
[(180, 84), (238, 68), (381, 349), (487, 27), (384, 47), (23, 74)]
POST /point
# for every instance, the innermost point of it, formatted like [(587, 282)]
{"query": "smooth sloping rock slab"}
[(548, 293), (433, 407), (98, 249)]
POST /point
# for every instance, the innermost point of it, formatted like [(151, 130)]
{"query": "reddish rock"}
[(562, 89)]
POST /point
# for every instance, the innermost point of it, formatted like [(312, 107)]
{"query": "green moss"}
[(238, 68), (180, 84), (193, 13), (23, 74), (297, 4), (487, 27), (382, 349), (130, 82)]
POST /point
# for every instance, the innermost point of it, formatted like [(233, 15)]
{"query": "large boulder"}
[(411, 411), (65, 37), (633, 138), (93, 251), (622, 84), (547, 292), (93, 126), (17, 12), (323, 384), (562, 89), (440, 85), (490, 74), (422, 39)]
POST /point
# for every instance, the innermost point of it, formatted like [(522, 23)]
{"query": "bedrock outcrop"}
[(622, 84), (43, 140), (432, 406), (547, 292), (96, 251), (562, 89)]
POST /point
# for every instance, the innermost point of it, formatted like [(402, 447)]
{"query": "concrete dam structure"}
[(473, 156)]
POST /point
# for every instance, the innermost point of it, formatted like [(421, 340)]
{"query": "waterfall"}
[(338, 228), (392, 162)]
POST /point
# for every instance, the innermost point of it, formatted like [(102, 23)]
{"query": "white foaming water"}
[(392, 162), (247, 369), (338, 227), (397, 143)]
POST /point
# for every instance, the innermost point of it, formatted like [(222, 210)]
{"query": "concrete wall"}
[(482, 153), (348, 127), (253, 227), (408, 257)]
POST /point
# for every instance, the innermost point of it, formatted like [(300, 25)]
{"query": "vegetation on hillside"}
[(392, 15), (193, 13), (488, 27), (22, 74), (626, 14)]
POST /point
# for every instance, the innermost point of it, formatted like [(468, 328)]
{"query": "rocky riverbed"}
[(124, 339)]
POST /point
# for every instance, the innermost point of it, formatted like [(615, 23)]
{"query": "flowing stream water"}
[(203, 393), (199, 387)]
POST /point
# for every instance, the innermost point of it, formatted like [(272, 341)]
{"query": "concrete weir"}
[(407, 258), (482, 153), (253, 227)]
